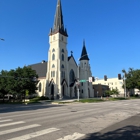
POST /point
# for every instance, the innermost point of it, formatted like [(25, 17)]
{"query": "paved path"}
[(104, 120)]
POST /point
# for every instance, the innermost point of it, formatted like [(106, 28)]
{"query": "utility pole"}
[(124, 86)]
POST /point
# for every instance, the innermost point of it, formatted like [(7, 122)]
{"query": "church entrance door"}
[(52, 92)]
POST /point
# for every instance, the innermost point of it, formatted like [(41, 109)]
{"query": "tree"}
[(115, 92), (108, 92), (112, 92), (18, 81), (132, 78), (3, 84)]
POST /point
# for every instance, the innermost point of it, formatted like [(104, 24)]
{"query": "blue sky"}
[(111, 29)]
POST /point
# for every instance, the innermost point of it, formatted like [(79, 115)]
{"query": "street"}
[(77, 121)]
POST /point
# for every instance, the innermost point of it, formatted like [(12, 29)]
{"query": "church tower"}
[(86, 90), (57, 68)]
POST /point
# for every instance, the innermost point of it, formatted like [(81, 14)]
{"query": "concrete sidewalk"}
[(58, 101)]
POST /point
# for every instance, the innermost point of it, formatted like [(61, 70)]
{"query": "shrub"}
[(136, 95), (44, 98)]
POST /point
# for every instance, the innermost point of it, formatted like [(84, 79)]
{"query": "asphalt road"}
[(105, 120)]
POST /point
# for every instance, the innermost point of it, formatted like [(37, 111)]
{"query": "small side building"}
[(99, 90)]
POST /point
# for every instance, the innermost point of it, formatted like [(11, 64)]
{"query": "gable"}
[(71, 60)]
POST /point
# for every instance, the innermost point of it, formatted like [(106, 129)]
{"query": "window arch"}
[(71, 76), (53, 50), (63, 50), (53, 66), (53, 57), (63, 74), (62, 57), (39, 87), (62, 66)]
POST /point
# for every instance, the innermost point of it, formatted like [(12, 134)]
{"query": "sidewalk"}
[(58, 101)]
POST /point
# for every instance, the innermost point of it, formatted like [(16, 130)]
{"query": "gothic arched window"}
[(53, 50), (53, 57), (39, 87), (53, 66), (63, 50), (71, 76), (63, 74), (62, 66), (62, 57)]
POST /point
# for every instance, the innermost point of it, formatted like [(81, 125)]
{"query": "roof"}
[(40, 68), (58, 21), (73, 59), (84, 55)]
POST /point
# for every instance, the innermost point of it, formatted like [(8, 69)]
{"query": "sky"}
[(110, 28)]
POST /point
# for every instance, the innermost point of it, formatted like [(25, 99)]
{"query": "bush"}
[(39, 98), (136, 95), (44, 98)]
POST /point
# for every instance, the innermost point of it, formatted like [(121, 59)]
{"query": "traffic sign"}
[(90, 79), (82, 80)]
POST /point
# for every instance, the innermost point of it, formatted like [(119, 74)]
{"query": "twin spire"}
[(58, 21), (84, 55)]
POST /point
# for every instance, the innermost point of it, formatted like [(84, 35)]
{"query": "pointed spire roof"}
[(58, 21), (84, 55)]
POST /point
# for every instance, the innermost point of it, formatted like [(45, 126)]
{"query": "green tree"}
[(108, 92), (18, 81), (3, 84), (132, 78), (115, 92)]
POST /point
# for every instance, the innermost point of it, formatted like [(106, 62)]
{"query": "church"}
[(59, 76)]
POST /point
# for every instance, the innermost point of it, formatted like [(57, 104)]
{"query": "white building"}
[(58, 76), (113, 83)]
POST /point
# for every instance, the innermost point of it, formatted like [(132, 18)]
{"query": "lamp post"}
[(124, 86)]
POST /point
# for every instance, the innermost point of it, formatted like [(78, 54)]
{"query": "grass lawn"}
[(90, 100)]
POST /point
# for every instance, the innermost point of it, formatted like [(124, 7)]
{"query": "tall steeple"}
[(58, 21), (84, 55)]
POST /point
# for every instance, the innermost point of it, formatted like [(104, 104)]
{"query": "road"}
[(88, 121)]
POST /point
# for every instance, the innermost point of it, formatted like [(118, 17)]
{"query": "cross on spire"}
[(71, 53)]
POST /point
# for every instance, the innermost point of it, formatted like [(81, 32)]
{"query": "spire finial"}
[(83, 42), (58, 20)]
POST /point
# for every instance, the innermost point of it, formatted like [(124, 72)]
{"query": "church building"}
[(59, 77)]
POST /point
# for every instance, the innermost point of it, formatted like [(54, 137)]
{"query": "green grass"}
[(90, 100), (118, 98)]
